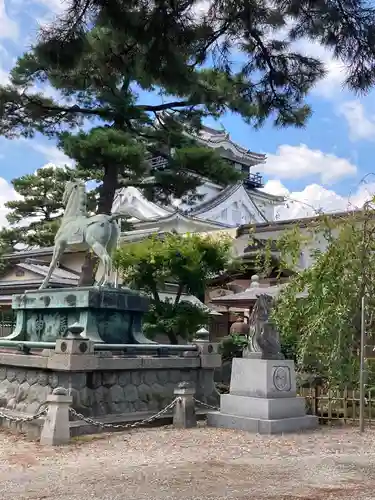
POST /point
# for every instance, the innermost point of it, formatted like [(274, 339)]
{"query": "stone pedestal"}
[(56, 429), (184, 415), (108, 315), (262, 399)]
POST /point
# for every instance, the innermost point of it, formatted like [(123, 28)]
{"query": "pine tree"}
[(40, 203), (9, 238), (237, 57)]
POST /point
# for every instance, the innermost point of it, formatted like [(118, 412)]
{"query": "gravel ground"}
[(202, 463)]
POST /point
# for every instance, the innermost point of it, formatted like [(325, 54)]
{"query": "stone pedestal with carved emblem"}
[(108, 315), (262, 399)]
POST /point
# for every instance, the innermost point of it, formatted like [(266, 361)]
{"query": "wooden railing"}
[(338, 406)]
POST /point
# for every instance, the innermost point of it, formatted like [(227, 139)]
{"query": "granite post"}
[(56, 429), (210, 359), (184, 415)]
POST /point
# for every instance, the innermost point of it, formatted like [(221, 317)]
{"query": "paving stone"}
[(124, 378), (136, 378), (11, 374), (21, 375), (131, 393), (145, 392), (109, 379), (116, 393), (43, 378), (150, 377), (32, 376)]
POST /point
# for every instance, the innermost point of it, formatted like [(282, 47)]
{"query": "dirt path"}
[(196, 464)]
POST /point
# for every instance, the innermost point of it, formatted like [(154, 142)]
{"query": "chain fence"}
[(210, 407), (15, 418), (132, 425)]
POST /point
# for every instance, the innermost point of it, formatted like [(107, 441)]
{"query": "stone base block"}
[(262, 426), (263, 378), (269, 409)]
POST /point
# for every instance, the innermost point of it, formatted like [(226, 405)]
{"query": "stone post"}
[(210, 359), (208, 351), (184, 415), (56, 429), (73, 352)]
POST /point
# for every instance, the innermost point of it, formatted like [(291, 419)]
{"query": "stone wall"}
[(103, 385)]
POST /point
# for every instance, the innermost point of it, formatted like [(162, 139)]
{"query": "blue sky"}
[(321, 165)]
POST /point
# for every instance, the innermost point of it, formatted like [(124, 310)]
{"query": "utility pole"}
[(362, 369)]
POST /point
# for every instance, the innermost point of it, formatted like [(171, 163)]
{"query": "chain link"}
[(103, 425), (13, 418), (132, 425), (206, 405)]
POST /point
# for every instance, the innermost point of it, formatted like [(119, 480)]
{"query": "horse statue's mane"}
[(264, 339)]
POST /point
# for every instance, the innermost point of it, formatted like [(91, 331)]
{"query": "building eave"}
[(268, 196), (215, 201), (180, 216), (220, 139), (34, 252), (281, 225), (24, 284)]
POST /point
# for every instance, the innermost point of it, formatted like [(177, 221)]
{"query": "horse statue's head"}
[(71, 187)]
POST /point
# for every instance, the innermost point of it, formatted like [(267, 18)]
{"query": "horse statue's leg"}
[(105, 259), (112, 246), (57, 252), (101, 237)]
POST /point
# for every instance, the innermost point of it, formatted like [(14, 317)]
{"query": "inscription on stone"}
[(282, 378)]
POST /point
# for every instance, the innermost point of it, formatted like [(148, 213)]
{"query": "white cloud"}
[(8, 27), (316, 199), (297, 162), (333, 82), (5, 60), (51, 153), (55, 6), (360, 125), (53, 9), (335, 69), (4, 76), (7, 193)]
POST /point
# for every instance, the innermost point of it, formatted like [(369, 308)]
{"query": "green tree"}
[(40, 201), (188, 262), (325, 326), (101, 56), (9, 239)]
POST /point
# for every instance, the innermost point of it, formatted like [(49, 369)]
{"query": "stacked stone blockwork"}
[(102, 383)]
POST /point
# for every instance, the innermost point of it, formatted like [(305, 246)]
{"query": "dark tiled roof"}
[(59, 275)]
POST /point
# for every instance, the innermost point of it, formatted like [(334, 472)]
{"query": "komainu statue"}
[(100, 233), (264, 339)]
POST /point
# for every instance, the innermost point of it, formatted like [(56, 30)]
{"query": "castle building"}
[(217, 207)]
